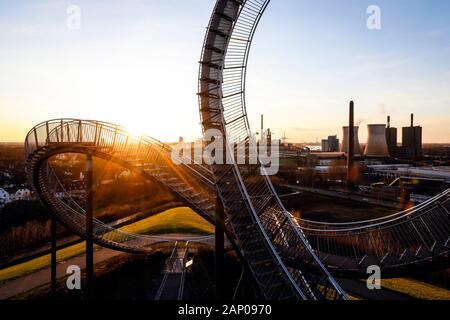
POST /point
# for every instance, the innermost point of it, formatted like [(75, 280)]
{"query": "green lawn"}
[(177, 220)]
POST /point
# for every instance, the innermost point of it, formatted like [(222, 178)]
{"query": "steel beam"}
[(89, 227), (53, 260), (219, 248)]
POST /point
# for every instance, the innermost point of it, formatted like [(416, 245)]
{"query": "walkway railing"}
[(146, 155), (264, 229)]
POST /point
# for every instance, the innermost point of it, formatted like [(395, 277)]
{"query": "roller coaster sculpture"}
[(289, 258)]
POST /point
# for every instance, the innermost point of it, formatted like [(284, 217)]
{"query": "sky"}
[(135, 63)]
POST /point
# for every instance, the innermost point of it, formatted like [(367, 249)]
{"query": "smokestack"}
[(389, 121), (351, 146), (262, 124), (412, 120)]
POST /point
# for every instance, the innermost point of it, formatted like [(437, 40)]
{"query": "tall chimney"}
[(412, 120), (389, 121), (262, 124), (351, 146)]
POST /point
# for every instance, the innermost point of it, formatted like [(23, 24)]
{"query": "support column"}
[(220, 249), (53, 255), (89, 228)]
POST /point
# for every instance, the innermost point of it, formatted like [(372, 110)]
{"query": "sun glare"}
[(134, 130)]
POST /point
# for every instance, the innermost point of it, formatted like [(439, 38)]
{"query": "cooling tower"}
[(344, 145), (376, 141)]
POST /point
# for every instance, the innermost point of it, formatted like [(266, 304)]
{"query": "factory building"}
[(391, 139), (412, 140), (331, 144)]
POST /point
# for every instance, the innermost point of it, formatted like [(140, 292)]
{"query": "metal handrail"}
[(45, 135), (371, 223), (419, 215)]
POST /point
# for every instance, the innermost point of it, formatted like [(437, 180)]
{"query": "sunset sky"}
[(136, 63)]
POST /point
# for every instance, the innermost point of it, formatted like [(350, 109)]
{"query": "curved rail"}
[(277, 251), (393, 242), (147, 156), (363, 224), (406, 239), (289, 257)]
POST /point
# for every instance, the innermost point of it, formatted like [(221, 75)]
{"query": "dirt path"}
[(28, 282), (360, 289)]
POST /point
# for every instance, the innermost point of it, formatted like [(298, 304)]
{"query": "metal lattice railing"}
[(150, 157), (411, 237), (417, 235), (287, 256), (414, 236)]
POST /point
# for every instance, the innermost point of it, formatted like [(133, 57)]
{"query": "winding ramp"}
[(147, 156)]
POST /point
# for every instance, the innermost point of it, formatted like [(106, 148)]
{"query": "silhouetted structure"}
[(356, 145), (194, 184), (412, 140), (267, 238), (331, 144), (89, 227), (351, 147), (391, 138)]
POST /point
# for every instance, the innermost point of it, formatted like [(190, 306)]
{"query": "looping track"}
[(255, 212), (289, 258), (147, 156)]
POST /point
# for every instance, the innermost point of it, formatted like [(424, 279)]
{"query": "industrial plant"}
[(381, 169), (345, 141), (382, 141)]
